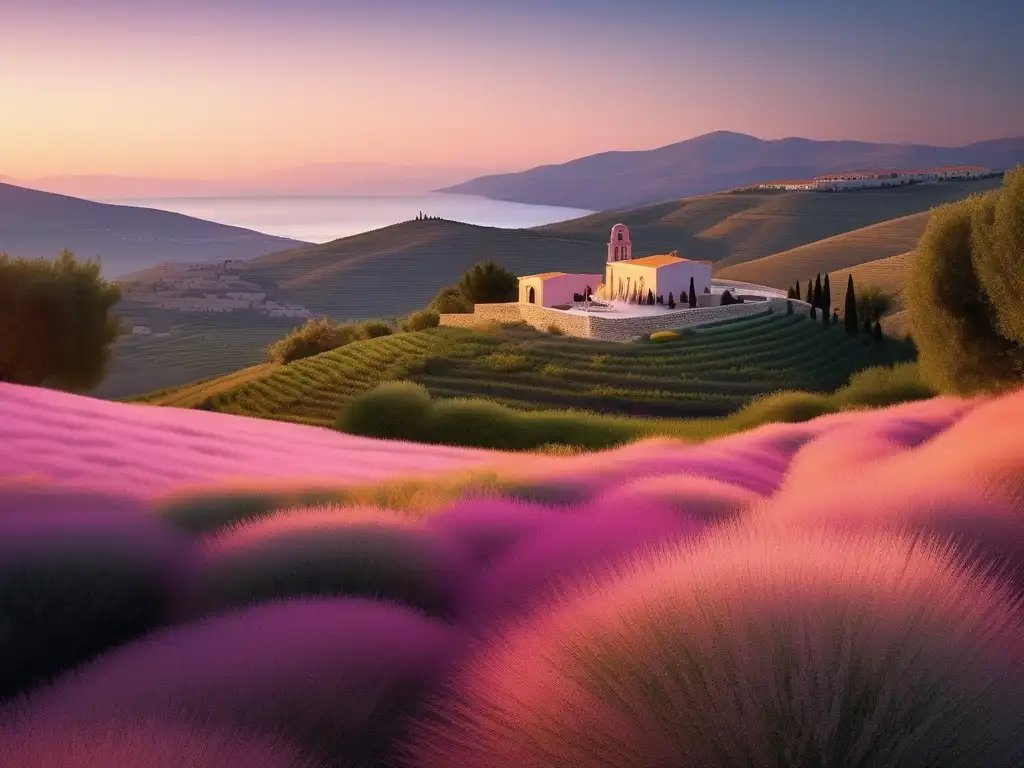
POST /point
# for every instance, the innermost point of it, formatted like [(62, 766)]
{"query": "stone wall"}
[(627, 328), (606, 328)]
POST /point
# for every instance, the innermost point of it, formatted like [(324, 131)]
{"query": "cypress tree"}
[(693, 295), (650, 296), (810, 292), (879, 336), (789, 291), (850, 309), (826, 294), (817, 293), (671, 301), (826, 321)]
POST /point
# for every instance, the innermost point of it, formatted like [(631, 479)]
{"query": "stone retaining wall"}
[(608, 328)]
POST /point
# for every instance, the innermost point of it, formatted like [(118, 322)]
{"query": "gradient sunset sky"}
[(221, 88)]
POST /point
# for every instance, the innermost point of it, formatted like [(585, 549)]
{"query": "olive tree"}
[(56, 322)]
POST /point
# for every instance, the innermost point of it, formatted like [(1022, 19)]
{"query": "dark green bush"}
[(396, 409), (450, 301), (315, 336), (420, 321), (476, 423)]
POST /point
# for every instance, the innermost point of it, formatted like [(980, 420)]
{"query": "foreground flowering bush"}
[(842, 592), (141, 744), (793, 649)]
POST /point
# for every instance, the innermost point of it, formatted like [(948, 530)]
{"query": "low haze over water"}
[(320, 219)]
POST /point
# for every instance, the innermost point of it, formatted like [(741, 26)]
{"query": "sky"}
[(211, 89)]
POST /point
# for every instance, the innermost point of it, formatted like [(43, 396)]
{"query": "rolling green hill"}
[(736, 227), (845, 251), (710, 371), (767, 237)]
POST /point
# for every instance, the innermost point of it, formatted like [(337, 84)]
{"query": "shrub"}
[(573, 543), (487, 528), (78, 574), (660, 337), (201, 512), (336, 676), (139, 743), (786, 406), (961, 330), (395, 409), (487, 283), (695, 496), (554, 330), (728, 298), (57, 322), (881, 385), (450, 301), (476, 423), (311, 338), (726, 651), (373, 329), (505, 362), (420, 321), (872, 302), (327, 551)]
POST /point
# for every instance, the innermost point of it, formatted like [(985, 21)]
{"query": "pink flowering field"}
[(182, 588)]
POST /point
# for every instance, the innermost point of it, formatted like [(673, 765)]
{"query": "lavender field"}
[(186, 588)]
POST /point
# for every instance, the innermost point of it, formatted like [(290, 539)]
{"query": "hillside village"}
[(204, 287), (848, 181)]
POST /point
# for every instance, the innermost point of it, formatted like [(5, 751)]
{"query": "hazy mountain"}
[(34, 223), (716, 162), (357, 179)]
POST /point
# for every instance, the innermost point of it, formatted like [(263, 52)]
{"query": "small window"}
[(620, 235)]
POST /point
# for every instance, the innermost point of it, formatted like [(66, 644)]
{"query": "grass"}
[(750, 649), (738, 228), (334, 676), (844, 251), (708, 372), (200, 347), (772, 599), (76, 579), (144, 744), (323, 551)]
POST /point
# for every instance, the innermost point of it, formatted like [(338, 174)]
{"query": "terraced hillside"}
[(710, 371), (391, 271), (737, 227)]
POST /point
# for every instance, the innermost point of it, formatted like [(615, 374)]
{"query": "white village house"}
[(624, 277)]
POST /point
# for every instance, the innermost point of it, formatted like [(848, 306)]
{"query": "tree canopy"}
[(964, 292), (56, 322), (487, 283)]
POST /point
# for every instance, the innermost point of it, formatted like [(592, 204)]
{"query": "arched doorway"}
[(531, 295)]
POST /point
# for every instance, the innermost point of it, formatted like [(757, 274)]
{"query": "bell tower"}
[(619, 246)]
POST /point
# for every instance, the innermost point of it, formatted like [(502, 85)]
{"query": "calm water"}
[(319, 219)]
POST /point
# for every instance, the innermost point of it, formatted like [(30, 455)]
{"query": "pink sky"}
[(191, 92)]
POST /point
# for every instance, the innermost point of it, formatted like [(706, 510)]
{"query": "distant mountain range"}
[(341, 179), (717, 162), (128, 239)]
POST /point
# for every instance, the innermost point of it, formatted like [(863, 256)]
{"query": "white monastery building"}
[(624, 278)]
